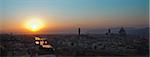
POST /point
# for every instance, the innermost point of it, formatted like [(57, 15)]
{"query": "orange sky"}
[(69, 15)]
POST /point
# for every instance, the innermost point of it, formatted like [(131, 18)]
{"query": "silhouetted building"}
[(79, 32), (108, 32), (122, 32)]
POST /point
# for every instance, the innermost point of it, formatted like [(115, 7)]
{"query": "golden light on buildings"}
[(37, 42), (37, 38), (47, 46), (43, 42)]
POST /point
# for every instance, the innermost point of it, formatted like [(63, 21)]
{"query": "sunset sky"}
[(63, 15)]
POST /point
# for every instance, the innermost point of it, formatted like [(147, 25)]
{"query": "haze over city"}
[(74, 28)]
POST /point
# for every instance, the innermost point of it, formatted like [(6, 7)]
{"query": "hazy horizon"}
[(66, 15)]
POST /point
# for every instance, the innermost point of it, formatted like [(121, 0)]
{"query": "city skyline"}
[(70, 14)]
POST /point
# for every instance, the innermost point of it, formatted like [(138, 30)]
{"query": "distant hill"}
[(129, 30), (139, 31)]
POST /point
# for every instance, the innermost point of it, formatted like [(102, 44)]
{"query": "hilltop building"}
[(122, 32)]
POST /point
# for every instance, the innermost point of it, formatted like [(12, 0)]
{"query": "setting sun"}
[(34, 24)]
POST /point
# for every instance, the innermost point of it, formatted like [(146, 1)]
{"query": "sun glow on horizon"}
[(34, 24)]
